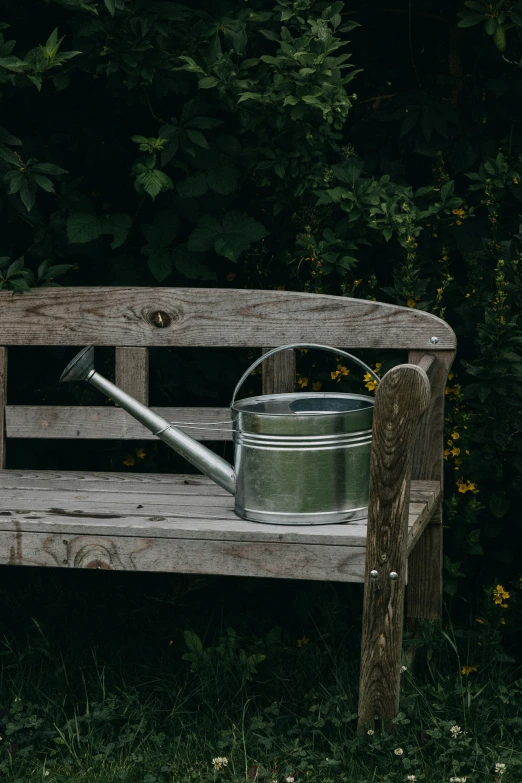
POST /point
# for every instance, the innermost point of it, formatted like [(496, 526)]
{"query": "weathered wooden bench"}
[(186, 523)]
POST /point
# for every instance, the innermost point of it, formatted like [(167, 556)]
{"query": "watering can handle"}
[(262, 358)]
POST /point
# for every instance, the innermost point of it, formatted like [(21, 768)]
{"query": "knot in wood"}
[(94, 556), (160, 319)]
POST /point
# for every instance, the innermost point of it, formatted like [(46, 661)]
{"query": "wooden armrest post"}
[(279, 372), (3, 402), (402, 398)]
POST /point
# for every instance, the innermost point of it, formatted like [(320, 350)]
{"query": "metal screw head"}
[(374, 574), (434, 340), (394, 576)]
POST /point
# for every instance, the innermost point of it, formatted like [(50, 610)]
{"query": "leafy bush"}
[(222, 143)]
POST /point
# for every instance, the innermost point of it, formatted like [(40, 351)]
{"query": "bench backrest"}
[(134, 319)]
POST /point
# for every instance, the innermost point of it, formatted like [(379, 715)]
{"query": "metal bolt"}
[(434, 340), (374, 574), (394, 576)]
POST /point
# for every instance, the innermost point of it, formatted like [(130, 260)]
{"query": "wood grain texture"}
[(211, 317), (424, 596), (141, 506), (110, 423), (3, 403), (187, 556), (402, 397), (279, 373), (132, 372)]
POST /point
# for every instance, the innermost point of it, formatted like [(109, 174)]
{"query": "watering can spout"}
[(81, 368)]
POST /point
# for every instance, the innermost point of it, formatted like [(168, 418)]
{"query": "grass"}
[(146, 678)]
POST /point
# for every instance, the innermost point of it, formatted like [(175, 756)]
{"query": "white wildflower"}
[(456, 730), (404, 669), (411, 778), (458, 780), (500, 768), (289, 779), (371, 732), (219, 762), (398, 751)]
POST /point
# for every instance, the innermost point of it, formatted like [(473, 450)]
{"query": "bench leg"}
[(424, 599), (381, 647)]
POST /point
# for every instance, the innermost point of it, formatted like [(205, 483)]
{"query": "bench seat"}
[(176, 523)]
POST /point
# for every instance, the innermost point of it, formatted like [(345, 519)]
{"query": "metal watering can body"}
[(301, 458)]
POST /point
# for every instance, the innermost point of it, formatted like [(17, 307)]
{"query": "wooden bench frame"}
[(401, 538)]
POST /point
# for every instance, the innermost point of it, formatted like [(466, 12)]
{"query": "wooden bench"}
[(185, 523)]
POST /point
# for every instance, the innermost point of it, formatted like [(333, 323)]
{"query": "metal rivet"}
[(434, 340), (374, 574), (394, 575)]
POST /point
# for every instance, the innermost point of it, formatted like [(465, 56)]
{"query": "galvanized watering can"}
[(300, 459)]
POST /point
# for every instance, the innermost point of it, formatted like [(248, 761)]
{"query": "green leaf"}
[(193, 641), (491, 25), (470, 20), (446, 189), (48, 168), (239, 231), (119, 226), (207, 82), (111, 6), (189, 265), (159, 261), (196, 137), (14, 64), (43, 182), (195, 185), (154, 181), (82, 227), (223, 179), (28, 194), (9, 157), (204, 235), (163, 229), (16, 180)]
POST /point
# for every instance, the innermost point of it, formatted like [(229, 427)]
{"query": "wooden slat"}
[(212, 317), (187, 556), (132, 372), (109, 423), (3, 402), (424, 599), (153, 505), (402, 397), (279, 373)]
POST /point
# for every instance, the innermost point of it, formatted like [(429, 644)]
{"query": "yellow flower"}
[(451, 375), (411, 303), (467, 486), (460, 211), (316, 385), (370, 383), (500, 595), (304, 640), (129, 461), (302, 382), (455, 435), (339, 373), (468, 669), (280, 288), (458, 222), (378, 366), (140, 453), (455, 451), (515, 180), (446, 453), (231, 276)]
